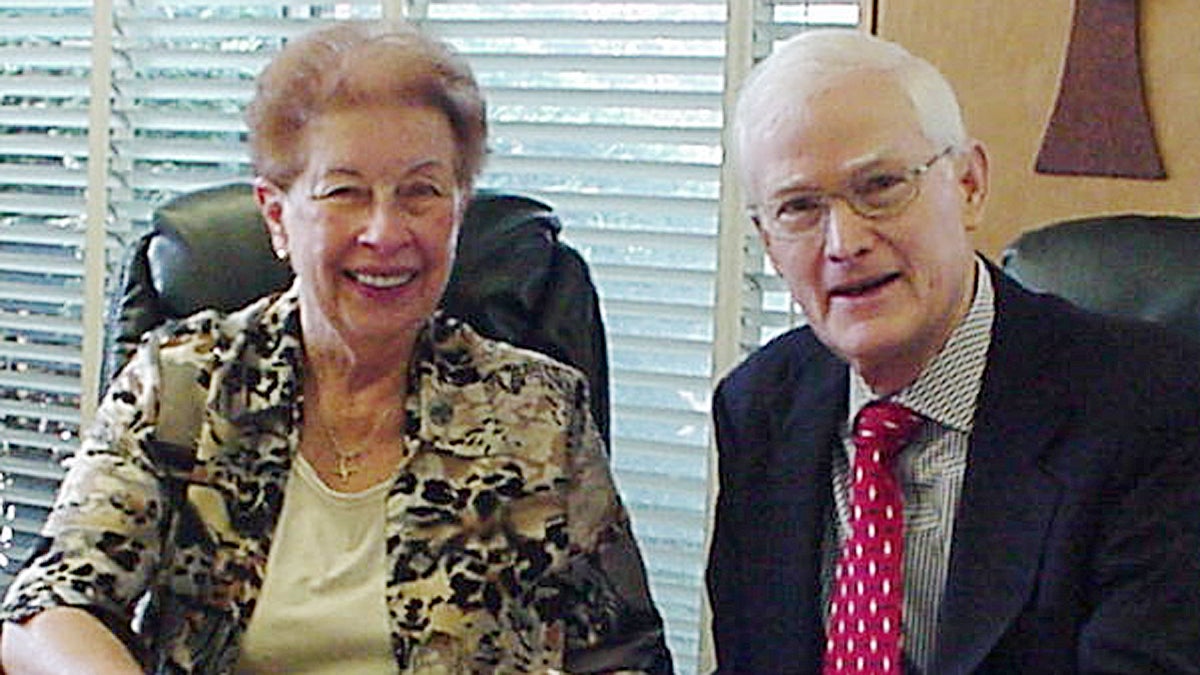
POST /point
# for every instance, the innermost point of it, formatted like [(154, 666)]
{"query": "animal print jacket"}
[(508, 548)]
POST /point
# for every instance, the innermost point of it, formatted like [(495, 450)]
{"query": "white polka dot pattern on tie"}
[(866, 611)]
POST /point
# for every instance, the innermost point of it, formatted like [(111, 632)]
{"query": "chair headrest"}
[(216, 224), (1137, 266)]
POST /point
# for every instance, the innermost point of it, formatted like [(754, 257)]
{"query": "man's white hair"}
[(779, 87)]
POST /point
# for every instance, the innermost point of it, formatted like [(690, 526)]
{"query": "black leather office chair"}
[(1139, 266), (513, 279)]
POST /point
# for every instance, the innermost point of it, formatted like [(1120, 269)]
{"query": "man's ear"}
[(973, 179), (270, 204)]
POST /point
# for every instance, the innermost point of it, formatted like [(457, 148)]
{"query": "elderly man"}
[(941, 472)]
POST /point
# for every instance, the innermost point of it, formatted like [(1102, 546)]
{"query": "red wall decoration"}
[(1101, 125)]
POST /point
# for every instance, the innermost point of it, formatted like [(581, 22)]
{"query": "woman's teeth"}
[(383, 280)]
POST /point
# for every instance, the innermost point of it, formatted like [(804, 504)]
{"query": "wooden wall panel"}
[(1005, 58)]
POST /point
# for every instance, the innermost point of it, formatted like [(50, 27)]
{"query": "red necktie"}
[(866, 610)]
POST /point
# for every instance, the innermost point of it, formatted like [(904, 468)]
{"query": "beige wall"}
[(1005, 57)]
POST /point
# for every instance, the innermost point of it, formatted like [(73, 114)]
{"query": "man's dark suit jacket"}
[(1076, 547)]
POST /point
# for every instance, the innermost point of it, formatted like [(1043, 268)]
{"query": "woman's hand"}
[(64, 640)]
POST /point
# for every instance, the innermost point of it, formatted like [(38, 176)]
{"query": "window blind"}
[(44, 96), (610, 110)]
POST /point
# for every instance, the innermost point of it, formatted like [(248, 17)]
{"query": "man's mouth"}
[(384, 281), (863, 287)]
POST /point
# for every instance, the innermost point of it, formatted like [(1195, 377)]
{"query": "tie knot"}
[(884, 427)]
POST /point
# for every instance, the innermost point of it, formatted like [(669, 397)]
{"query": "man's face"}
[(883, 293)]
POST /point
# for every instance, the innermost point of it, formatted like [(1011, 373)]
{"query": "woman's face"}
[(370, 224)]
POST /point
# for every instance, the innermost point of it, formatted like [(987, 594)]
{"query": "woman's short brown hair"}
[(355, 63)]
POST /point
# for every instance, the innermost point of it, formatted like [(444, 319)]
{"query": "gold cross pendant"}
[(346, 468)]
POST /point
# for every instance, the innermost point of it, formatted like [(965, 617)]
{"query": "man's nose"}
[(847, 234)]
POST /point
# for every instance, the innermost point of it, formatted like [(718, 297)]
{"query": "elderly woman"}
[(376, 488)]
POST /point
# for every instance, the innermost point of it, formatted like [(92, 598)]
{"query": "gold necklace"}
[(347, 462)]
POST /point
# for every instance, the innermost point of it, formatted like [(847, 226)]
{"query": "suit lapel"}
[(808, 429), (1008, 496)]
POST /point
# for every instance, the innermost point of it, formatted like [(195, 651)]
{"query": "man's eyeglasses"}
[(875, 194)]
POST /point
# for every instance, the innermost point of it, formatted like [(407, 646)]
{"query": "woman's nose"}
[(388, 225)]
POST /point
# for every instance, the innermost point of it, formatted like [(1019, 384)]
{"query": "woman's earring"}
[(281, 253)]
